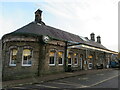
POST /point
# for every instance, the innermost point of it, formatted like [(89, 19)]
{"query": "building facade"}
[(37, 49)]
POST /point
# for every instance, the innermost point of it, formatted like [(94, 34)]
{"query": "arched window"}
[(13, 57), (27, 57)]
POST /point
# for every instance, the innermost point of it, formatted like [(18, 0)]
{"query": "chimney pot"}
[(99, 39), (92, 36), (38, 15)]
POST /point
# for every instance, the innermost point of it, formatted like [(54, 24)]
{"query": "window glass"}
[(60, 58), (13, 57), (27, 56), (69, 59), (75, 58), (52, 58)]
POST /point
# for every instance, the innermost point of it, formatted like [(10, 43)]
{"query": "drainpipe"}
[(65, 57)]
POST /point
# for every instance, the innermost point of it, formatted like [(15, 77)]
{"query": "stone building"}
[(38, 49)]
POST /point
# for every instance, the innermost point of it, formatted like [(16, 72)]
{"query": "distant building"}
[(37, 49)]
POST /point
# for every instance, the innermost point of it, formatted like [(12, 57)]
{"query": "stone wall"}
[(19, 71), (45, 68), (40, 58)]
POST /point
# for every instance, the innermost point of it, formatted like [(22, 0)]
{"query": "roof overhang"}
[(82, 46)]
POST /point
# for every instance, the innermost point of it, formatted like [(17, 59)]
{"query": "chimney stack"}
[(99, 39), (38, 15), (92, 36)]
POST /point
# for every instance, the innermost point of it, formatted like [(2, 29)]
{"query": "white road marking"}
[(65, 83), (76, 84), (102, 81), (46, 86), (20, 87)]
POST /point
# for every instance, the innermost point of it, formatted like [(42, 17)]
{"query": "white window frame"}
[(23, 57), (11, 50), (62, 58), (54, 58)]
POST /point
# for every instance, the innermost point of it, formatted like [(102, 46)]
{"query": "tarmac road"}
[(105, 79)]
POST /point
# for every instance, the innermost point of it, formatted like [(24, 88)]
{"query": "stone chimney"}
[(38, 15), (92, 35), (99, 39)]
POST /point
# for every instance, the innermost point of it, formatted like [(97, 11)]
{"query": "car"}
[(99, 66), (114, 64)]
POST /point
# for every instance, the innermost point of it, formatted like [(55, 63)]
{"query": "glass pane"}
[(27, 55), (25, 58), (75, 60), (14, 57), (51, 54), (51, 60), (14, 52), (26, 52), (69, 60), (25, 62), (60, 54), (29, 62), (59, 60)]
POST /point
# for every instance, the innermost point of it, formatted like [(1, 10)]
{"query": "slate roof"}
[(37, 29)]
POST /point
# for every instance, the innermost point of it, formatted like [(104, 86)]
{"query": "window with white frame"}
[(27, 57), (52, 56), (13, 57), (60, 58), (75, 59), (69, 59)]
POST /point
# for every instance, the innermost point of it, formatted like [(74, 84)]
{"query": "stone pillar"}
[(42, 54), (65, 57)]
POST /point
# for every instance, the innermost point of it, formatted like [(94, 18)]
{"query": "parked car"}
[(114, 64), (99, 66)]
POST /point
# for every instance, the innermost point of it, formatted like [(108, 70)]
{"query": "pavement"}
[(46, 78)]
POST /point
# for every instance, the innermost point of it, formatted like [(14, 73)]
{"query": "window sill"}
[(60, 64), (75, 64), (51, 64), (12, 65), (26, 65)]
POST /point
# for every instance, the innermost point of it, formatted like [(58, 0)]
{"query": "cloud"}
[(80, 17)]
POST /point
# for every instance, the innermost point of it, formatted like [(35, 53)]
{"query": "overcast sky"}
[(81, 17)]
